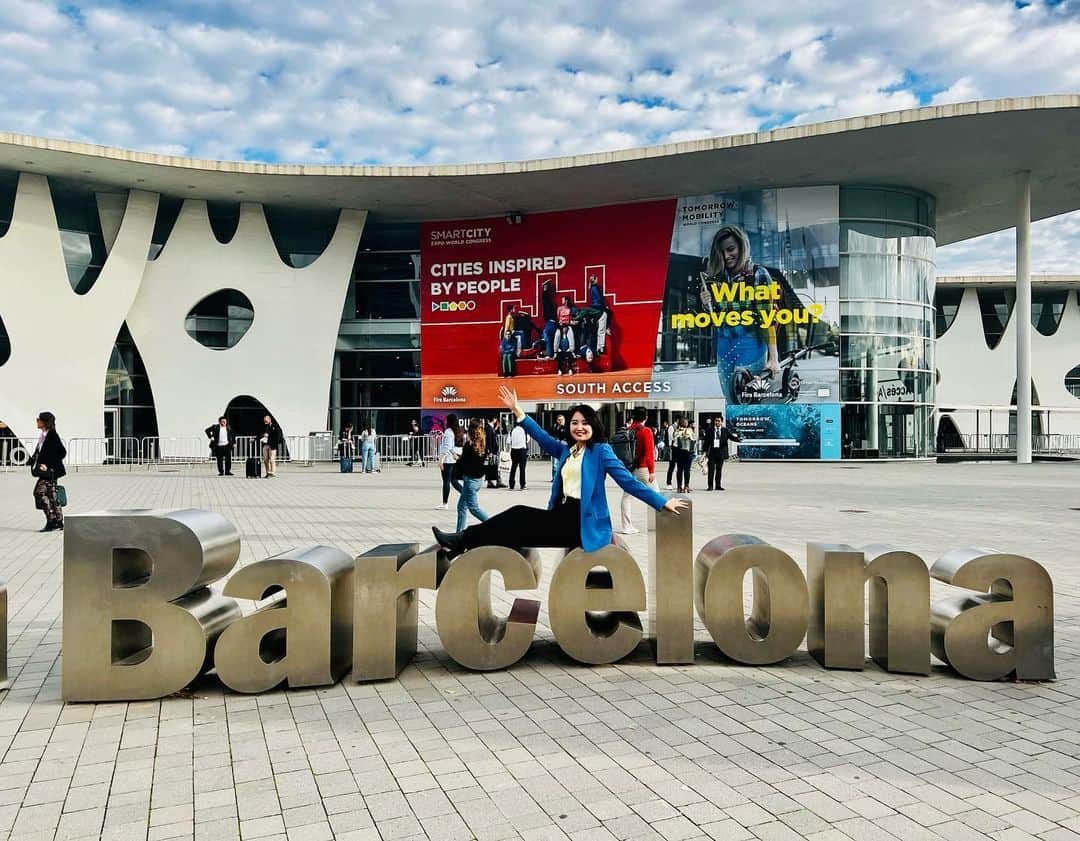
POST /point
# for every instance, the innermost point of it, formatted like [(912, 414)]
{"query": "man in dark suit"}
[(221, 443), (716, 449)]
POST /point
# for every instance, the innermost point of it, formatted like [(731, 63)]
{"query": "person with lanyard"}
[(716, 450), (577, 513)]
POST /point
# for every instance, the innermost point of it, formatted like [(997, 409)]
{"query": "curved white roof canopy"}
[(965, 154)]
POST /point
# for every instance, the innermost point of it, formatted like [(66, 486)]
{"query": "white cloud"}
[(419, 81)]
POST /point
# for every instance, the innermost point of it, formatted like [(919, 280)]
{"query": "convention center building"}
[(785, 278)]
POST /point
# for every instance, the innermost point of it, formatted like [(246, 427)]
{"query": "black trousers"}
[(521, 526), (518, 458), (224, 459), (716, 467), (672, 461), (683, 460), (448, 481)]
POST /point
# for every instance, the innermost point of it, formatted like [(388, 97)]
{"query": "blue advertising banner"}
[(787, 430)]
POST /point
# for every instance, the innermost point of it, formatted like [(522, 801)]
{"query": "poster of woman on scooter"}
[(750, 315)]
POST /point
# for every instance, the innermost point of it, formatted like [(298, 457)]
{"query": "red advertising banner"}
[(562, 305)]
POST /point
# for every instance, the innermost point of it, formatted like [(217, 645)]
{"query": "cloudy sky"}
[(480, 80)]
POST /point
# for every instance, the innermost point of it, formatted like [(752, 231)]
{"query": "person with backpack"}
[(641, 464)]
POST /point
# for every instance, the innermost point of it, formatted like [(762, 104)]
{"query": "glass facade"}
[(376, 379), (81, 238), (887, 322), (220, 320), (129, 400)]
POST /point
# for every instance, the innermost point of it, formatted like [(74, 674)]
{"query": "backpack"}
[(622, 442)]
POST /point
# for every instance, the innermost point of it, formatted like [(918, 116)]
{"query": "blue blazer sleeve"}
[(614, 468), (552, 446)]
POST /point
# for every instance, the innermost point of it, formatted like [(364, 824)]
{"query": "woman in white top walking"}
[(453, 439)]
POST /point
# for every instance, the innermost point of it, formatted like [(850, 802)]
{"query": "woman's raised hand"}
[(508, 397), (675, 506)]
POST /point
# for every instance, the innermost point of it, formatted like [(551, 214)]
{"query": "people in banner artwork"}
[(753, 347)]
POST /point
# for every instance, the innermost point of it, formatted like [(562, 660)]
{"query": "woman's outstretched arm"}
[(552, 446)]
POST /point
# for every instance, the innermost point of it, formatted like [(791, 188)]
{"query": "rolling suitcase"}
[(253, 468), (346, 464)]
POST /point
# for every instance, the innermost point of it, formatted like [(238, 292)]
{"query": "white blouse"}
[(571, 473)]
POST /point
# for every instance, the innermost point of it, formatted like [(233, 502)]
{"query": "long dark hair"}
[(49, 419), (477, 437), (588, 413)]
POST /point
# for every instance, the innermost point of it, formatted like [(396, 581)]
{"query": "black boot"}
[(452, 542)]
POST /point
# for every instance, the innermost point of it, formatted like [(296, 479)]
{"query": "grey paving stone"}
[(547, 749)]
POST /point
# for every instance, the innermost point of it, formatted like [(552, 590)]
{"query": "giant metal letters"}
[(470, 631), (1013, 605), (139, 619), (671, 585), (612, 595), (386, 612), (899, 607), (305, 638), (780, 609)]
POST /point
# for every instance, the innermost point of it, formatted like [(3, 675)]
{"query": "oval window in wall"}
[(1072, 381), (220, 320)]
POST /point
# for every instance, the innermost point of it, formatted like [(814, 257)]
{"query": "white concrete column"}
[(335, 396), (1023, 318)]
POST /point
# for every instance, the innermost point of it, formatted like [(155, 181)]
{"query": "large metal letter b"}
[(139, 618)]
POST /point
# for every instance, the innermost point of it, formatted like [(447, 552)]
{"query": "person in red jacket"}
[(644, 467)]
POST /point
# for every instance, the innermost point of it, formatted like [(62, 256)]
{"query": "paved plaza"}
[(549, 749)]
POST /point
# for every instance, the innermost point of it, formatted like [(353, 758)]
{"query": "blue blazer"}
[(597, 462)]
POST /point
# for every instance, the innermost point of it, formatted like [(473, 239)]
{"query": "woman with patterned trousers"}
[(47, 466)]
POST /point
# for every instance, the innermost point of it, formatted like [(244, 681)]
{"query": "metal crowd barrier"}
[(15, 453), (1002, 442)]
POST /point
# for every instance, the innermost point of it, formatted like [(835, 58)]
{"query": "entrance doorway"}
[(112, 434)]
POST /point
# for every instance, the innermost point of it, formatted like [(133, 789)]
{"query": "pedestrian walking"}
[(222, 440), (416, 442), (449, 448), (644, 465), (470, 469), (47, 466)]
